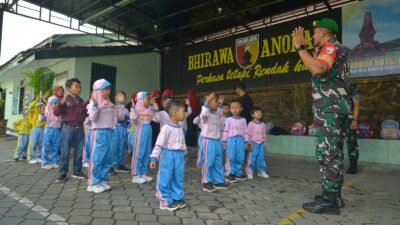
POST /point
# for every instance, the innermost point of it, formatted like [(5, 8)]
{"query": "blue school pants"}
[(235, 156), (142, 150), (51, 146), (101, 159), (212, 169), (255, 158)]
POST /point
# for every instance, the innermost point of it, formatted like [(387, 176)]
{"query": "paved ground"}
[(29, 195)]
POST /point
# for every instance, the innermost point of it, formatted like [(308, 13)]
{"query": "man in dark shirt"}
[(73, 111), (245, 100)]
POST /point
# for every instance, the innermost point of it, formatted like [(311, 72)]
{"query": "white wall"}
[(66, 66), (8, 86), (135, 72)]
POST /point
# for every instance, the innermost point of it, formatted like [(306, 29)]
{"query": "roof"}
[(72, 45), (161, 23)]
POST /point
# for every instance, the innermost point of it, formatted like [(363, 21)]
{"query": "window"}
[(101, 71)]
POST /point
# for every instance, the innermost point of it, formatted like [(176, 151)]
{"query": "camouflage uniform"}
[(330, 108), (350, 134)]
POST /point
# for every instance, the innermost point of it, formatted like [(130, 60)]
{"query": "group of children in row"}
[(107, 137), (35, 143), (221, 133)]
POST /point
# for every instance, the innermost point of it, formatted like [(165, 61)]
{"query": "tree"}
[(41, 80)]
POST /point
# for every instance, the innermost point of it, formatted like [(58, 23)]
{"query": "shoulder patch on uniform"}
[(329, 49)]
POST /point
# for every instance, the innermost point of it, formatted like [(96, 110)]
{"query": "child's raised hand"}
[(37, 98), (221, 99), (94, 98), (64, 99), (154, 102), (187, 102), (209, 97), (46, 95), (152, 165)]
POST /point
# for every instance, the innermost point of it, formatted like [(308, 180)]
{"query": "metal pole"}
[(1, 27)]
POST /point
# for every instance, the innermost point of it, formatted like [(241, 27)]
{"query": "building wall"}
[(60, 67), (135, 72), (8, 86), (286, 104)]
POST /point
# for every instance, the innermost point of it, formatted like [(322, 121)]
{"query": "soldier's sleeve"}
[(327, 55)]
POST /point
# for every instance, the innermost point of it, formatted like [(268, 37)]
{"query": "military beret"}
[(327, 23)]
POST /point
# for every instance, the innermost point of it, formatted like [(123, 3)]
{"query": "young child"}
[(164, 117), (87, 147), (226, 113), (235, 137), (102, 114), (188, 112), (72, 110), (36, 137), (142, 114), (132, 126), (170, 150), (58, 92), (210, 146), (200, 157), (52, 132), (121, 131), (257, 137), (23, 128)]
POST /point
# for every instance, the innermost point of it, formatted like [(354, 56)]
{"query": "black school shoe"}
[(231, 179), (79, 175), (24, 158), (174, 206), (324, 205), (181, 203), (242, 177), (221, 186), (122, 169), (112, 172), (61, 177), (208, 187), (16, 159)]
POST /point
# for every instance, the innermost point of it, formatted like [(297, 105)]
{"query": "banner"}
[(260, 58), (371, 36)]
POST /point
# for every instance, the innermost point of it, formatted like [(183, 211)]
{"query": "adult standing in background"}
[(245, 100), (191, 135), (350, 128), (168, 93)]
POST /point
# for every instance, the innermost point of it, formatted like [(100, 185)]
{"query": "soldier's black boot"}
[(352, 168), (324, 205), (339, 200)]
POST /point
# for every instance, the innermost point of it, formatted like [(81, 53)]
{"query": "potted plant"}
[(41, 80)]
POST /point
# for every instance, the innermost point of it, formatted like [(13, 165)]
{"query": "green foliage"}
[(41, 80)]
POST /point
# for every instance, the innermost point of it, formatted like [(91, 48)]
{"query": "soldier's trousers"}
[(349, 135), (329, 151)]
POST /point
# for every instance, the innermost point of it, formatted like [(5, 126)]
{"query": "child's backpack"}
[(390, 129), (269, 126), (312, 130), (364, 130), (298, 128)]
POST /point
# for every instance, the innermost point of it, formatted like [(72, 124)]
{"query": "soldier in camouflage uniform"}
[(330, 71), (350, 126)]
